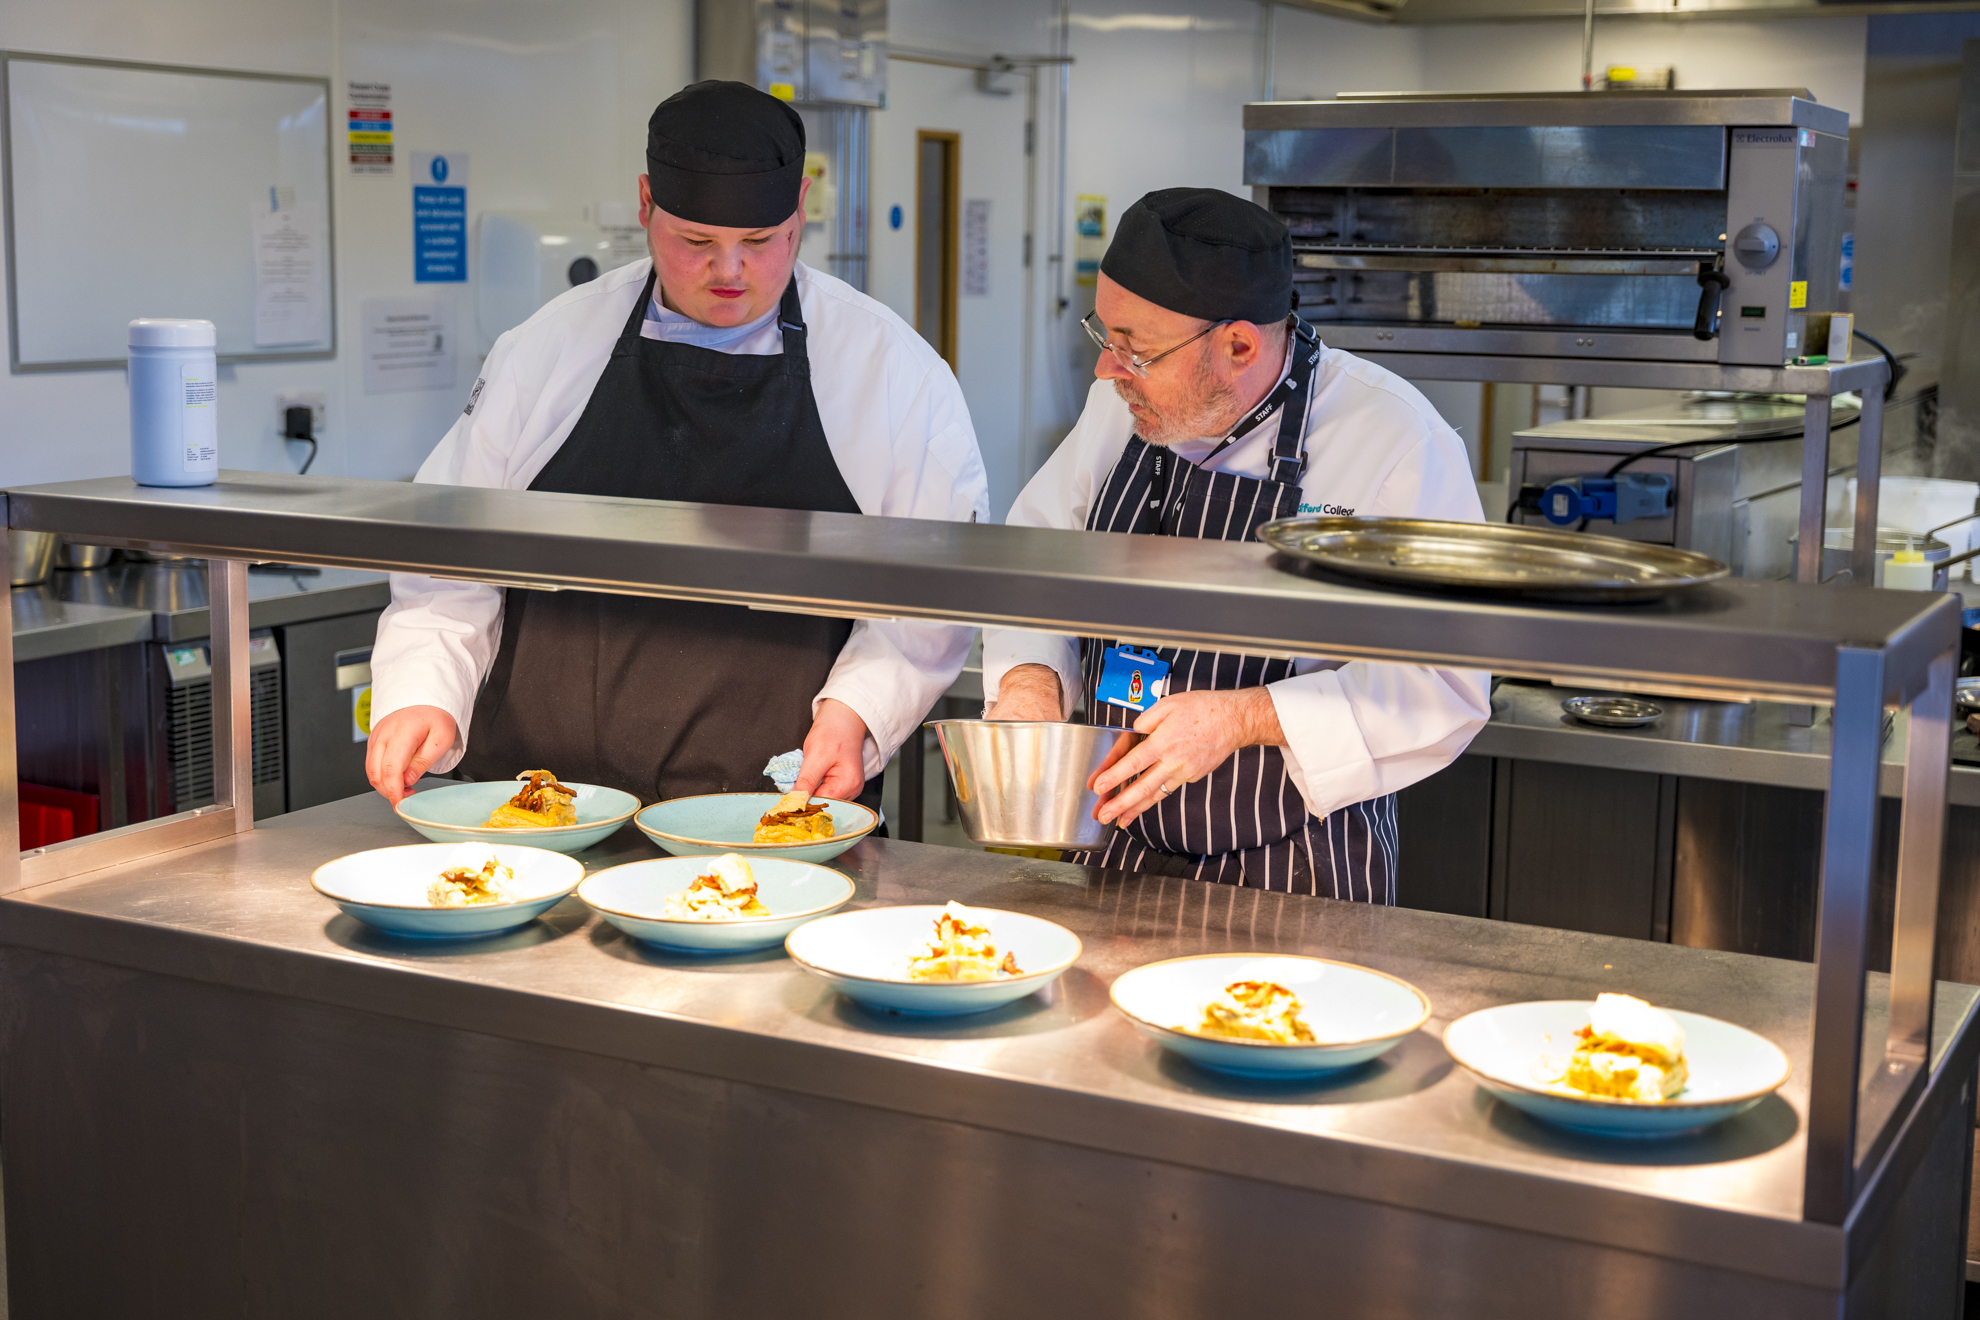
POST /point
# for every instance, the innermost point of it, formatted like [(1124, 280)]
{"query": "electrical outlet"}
[(314, 400)]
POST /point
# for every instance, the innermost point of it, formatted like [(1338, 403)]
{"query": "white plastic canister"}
[(174, 429)]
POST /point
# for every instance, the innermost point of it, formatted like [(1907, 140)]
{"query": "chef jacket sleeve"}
[(1361, 730), (1058, 495), (437, 638), (892, 671)]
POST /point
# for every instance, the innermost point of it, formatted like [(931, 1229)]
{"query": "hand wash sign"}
[(440, 217)]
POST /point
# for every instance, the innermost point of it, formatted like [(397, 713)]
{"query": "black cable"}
[(1654, 450), (303, 471), (1890, 358)]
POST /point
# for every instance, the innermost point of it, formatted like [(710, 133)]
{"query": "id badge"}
[(1132, 679)]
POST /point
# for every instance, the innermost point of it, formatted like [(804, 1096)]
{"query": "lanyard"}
[(1163, 463)]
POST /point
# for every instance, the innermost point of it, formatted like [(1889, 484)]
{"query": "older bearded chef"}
[(1216, 410), (723, 372)]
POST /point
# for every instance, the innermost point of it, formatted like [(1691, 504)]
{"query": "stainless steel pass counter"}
[(222, 1092)]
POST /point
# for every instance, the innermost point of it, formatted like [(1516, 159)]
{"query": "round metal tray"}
[(1491, 558), (1613, 712)]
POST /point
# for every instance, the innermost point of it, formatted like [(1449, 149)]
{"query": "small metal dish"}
[(1966, 696), (1613, 712)]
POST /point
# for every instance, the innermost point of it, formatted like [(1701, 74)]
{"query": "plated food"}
[(1269, 1015), (1628, 1051), (543, 803), (715, 823), (726, 904), (1256, 1010), (929, 960), (794, 819), (724, 891), (1618, 1066), (449, 890), (466, 886), (961, 949), (499, 812)]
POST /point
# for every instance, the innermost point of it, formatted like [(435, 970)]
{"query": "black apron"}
[(668, 698), (1244, 823)]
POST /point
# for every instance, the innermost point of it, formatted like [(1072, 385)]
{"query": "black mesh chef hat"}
[(723, 153), (1206, 253)]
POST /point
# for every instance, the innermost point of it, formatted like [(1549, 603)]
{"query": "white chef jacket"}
[(893, 416), (1375, 448)]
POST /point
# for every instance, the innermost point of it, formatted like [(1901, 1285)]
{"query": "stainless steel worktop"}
[(1410, 1130), (136, 602)]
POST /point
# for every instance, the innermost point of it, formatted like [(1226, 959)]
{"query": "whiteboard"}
[(147, 190)]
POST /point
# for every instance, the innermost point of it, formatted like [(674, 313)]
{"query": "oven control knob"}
[(1756, 246)]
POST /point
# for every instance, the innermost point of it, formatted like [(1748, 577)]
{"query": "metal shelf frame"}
[(1862, 650)]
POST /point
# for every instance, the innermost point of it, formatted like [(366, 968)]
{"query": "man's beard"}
[(1208, 407)]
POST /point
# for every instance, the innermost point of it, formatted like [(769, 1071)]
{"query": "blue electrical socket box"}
[(1623, 498)]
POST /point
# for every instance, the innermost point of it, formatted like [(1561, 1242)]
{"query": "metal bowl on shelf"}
[(30, 557), (1022, 784), (81, 555)]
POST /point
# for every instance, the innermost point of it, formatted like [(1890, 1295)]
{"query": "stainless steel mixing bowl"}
[(31, 555), (1023, 785)]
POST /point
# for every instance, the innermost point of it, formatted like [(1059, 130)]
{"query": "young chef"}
[(722, 371), (1217, 409)]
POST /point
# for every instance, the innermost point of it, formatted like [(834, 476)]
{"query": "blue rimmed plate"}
[(454, 814), (633, 898), (864, 955), (386, 887), (1730, 1069), (726, 822), (1356, 1012)]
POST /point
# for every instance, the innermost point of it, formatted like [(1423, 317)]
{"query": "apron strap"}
[(1289, 449), (630, 335), (790, 319)]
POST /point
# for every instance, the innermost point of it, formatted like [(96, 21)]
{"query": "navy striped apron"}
[(1244, 823)]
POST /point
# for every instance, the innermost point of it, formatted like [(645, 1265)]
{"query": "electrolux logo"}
[(1331, 510)]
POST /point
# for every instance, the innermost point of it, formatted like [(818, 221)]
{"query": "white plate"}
[(1356, 1012), (1730, 1069), (634, 896), (863, 955), (386, 887)]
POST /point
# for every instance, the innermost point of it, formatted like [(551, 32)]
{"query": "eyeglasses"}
[(1126, 357)]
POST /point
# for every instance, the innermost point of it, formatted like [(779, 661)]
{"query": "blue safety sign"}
[(440, 252)]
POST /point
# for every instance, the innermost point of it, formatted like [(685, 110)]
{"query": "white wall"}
[(550, 102)]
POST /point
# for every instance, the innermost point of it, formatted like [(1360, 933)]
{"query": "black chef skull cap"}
[(725, 154), (1205, 253)]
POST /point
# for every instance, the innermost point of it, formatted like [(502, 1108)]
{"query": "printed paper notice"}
[(289, 307), (408, 345), (976, 248), (369, 107)]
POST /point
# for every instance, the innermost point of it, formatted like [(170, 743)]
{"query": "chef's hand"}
[(834, 753), (1028, 692), (1188, 736), (403, 745)]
